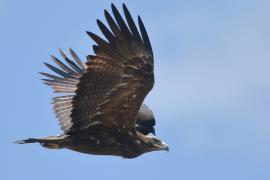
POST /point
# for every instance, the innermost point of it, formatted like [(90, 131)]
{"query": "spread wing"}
[(118, 77), (111, 87)]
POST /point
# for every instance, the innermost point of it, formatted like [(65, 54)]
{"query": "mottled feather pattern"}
[(100, 107), (93, 90), (113, 83), (121, 114), (122, 75)]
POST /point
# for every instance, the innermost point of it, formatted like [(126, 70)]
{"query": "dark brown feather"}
[(117, 80), (101, 111), (112, 85)]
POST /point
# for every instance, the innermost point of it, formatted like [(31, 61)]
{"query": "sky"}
[(211, 97)]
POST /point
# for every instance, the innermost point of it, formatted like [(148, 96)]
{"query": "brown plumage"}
[(102, 112)]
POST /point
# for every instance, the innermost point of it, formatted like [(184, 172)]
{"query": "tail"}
[(53, 142), (29, 140)]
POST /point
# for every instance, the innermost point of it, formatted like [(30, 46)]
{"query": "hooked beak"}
[(165, 147)]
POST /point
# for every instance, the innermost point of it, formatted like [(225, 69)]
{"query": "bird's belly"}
[(96, 146), (100, 145)]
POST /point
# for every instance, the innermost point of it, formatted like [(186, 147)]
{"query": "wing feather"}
[(118, 76), (77, 59), (62, 65), (107, 33), (121, 23), (73, 65), (131, 24), (145, 35), (67, 83), (113, 26), (110, 87)]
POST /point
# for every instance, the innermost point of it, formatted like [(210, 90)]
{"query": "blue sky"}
[(211, 98)]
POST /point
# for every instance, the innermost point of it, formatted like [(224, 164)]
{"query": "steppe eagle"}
[(101, 108)]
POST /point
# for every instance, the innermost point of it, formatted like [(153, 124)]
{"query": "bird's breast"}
[(107, 143)]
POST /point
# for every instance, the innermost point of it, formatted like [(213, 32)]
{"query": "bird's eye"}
[(156, 140)]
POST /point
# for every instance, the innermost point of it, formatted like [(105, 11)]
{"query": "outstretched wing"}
[(110, 89), (118, 77), (66, 82)]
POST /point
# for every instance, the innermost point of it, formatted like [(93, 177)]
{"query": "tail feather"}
[(52, 142), (29, 140)]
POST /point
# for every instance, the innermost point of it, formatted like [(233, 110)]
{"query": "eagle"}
[(100, 108)]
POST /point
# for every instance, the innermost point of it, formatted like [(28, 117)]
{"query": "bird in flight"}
[(100, 109)]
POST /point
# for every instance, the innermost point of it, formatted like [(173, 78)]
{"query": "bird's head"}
[(155, 144), (145, 144)]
